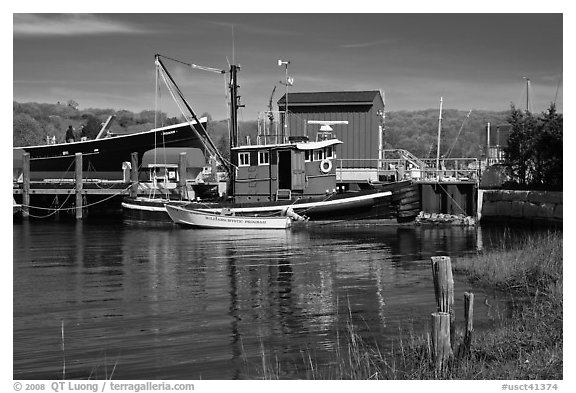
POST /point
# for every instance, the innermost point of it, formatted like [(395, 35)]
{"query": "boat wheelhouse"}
[(298, 169)]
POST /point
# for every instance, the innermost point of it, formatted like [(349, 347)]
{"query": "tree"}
[(92, 126), (534, 151), (27, 131), (548, 149), (518, 151)]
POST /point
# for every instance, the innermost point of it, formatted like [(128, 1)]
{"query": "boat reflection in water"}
[(189, 304)]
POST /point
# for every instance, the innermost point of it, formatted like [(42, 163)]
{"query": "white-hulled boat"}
[(225, 219)]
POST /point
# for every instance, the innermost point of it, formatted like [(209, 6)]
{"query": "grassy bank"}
[(526, 346)]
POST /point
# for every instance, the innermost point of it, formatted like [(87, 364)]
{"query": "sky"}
[(473, 61)]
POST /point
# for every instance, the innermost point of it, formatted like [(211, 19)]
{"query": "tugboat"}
[(276, 173)]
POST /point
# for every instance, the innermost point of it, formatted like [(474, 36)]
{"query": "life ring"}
[(325, 166)]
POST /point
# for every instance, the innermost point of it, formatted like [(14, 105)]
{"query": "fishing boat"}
[(226, 219), (277, 171)]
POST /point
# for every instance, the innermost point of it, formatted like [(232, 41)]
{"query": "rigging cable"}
[(557, 88), (203, 134), (459, 131), (156, 93)]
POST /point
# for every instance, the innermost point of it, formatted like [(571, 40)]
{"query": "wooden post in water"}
[(78, 185), (182, 163), (441, 346), (134, 174), (25, 185), (468, 317), (444, 288)]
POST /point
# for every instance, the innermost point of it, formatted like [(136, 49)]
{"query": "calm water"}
[(173, 303)]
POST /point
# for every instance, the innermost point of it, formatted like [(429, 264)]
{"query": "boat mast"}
[(438, 144), (234, 105)]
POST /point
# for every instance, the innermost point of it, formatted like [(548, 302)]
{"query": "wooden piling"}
[(182, 164), (134, 174), (441, 344), (444, 288), (78, 185), (468, 317), (25, 185)]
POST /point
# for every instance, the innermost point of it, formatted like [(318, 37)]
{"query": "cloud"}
[(69, 24)]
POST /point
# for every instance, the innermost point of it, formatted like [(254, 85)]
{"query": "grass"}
[(529, 345), (532, 265)]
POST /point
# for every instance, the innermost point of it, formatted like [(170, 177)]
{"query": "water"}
[(104, 298)]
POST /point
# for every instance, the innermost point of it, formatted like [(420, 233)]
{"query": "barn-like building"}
[(363, 110)]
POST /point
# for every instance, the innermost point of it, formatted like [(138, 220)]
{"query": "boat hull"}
[(199, 219), (151, 211), (363, 205), (102, 158)]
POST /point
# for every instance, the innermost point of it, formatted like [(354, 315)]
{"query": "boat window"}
[(307, 155), (172, 176), (244, 159), (318, 155), (328, 152), (263, 158)]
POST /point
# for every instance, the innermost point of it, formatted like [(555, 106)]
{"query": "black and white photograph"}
[(287, 193)]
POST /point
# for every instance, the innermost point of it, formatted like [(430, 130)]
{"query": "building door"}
[(298, 170), (284, 170)]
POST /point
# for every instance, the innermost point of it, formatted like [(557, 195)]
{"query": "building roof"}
[(330, 98)]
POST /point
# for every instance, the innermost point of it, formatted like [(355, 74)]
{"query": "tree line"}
[(415, 131), (34, 122), (534, 152)]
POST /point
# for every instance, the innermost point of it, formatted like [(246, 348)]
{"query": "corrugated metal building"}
[(361, 137)]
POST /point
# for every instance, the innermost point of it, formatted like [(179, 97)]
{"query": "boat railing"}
[(271, 128), (399, 168)]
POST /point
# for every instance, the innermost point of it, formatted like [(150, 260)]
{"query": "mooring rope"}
[(449, 196), (54, 211)]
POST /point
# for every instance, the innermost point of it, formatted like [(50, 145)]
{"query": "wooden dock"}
[(79, 187)]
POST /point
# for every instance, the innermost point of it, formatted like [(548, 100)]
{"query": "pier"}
[(445, 186), (79, 187)]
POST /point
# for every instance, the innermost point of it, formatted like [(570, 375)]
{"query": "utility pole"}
[(527, 94)]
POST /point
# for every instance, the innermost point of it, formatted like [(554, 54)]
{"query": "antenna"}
[(287, 82), (233, 55)]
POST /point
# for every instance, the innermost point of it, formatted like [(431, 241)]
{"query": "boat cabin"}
[(282, 171), (161, 164)]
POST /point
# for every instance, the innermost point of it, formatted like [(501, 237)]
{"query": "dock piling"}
[(182, 175), (78, 185), (134, 174), (468, 317), (441, 344), (25, 186), (444, 288)]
